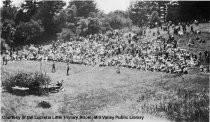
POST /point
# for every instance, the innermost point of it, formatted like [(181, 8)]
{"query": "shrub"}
[(33, 81), (44, 104)]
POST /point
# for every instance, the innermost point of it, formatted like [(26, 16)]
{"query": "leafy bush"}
[(38, 79), (44, 104), (33, 81)]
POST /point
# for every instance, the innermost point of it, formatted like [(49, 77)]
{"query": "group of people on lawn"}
[(150, 52)]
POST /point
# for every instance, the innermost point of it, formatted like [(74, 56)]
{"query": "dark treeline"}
[(30, 23), (189, 11), (43, 21)]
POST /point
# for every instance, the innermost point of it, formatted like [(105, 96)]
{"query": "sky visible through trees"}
[(105, 5), (37, 21)]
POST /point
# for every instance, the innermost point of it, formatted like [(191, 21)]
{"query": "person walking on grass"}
[(53, 67), (67, 70)]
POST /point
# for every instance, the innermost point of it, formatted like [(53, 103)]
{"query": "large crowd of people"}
[(148, 51)]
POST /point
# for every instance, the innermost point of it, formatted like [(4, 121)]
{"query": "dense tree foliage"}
[(140, 11), (119, 20), (78, 19), (154, 19), (28, 32), (31, 22), (46, 13), (8, 13), (83, 8), (82, 18), (39, 20), (193, 10)]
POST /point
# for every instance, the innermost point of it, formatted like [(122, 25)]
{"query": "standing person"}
[(206, 54), (67, 71), (71, 57), (53, 67), (191, 29), (175, 44), (118, 69), (158, 32), (200, 56), (164, 44), (184, 28), (144, 32), (10, 54), (4, 58)]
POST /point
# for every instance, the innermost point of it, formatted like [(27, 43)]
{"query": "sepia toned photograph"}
[(105, 61)]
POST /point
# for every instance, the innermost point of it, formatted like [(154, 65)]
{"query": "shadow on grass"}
[(38, 92)]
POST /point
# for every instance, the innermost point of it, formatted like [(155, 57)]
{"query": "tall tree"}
[(119, 19), (46, 13), (8, 13), (80, 18), (192, 10), (154, 18), (28, 32), (28, 10), (140, 11), (84, 8)]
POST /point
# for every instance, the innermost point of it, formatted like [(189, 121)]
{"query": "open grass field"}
[(88, 90), (101, 91)]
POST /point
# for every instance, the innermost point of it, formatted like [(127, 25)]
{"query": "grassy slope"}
[(99, 91)]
